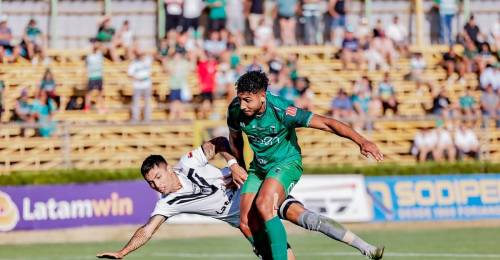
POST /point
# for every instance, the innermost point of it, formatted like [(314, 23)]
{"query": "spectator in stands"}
[(341, 106), (226, 77), (484, 57), (470, 56), (139, 71), (441, 104), (255, 65), (472, 32), (418, 66), (363, 32), (48, 85), (288, 90), (105, 36), (466, 142), (287, 21), (8, 51), (306, 96), (490, 76), (22, 109), (236, 20), (43, 110), (361, 102), (95, 68), (166, 47), (338, 11), (447, 10), (34, 41), (179, 68), (453, 63), (468, 104), (191, 12), (217, 15), (351, 52), (125, 38), (2, 89), (374, 56), (445, 147), (173, 14), (385, 47), (387, 95), (264, 35), (256, 14), (399, 35), (434, 21), (274, 63), (207, 71), (214, 45), (495, 35), (424, 144), (312, 15), (490, 102)]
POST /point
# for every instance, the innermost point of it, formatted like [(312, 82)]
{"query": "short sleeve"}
[(164, 209), (194, 159), (297, 117), (232, 116)]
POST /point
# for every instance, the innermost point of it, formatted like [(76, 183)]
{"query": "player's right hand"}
[(110, 255), (239, 175)]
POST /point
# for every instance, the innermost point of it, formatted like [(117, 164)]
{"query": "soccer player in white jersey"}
[(195, 186)]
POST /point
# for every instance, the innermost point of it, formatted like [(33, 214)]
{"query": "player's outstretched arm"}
[(140, 237), (334, 126)]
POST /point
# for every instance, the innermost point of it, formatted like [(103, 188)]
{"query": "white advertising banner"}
[(341, 197)]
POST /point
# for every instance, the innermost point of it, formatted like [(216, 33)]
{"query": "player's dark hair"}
[(152, 161), (253, 82)]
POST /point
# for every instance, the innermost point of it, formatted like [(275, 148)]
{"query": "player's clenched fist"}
[(239, 175), (112, 255)]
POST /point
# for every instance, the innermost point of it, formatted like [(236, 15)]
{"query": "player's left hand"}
[(110, 255), (368, 148), (239, 175)]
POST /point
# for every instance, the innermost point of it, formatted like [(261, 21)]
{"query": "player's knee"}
[(265, 206)]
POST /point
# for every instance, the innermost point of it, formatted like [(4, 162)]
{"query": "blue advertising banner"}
[(443, 197)]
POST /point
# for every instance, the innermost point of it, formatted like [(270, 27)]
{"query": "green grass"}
[(477, 243)]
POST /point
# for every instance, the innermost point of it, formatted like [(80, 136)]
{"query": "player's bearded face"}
[(252, 103)]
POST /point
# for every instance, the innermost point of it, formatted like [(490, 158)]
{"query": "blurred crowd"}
[(203, 38)]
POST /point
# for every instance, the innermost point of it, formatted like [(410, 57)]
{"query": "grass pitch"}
[(454, 243)]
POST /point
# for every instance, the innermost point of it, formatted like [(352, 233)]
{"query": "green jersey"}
[(271, 135)]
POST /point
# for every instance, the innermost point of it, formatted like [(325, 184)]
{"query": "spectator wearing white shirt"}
[(424, 144), (445, 146), (417, 68), (495, 34), (139, 71), (398, 34), (264, 36), (125, 38), (466, 142), (490, 76), (191, 13)]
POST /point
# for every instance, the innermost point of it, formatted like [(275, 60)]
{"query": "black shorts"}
[(190, 23), (207, 96), (94, 84), (217, 24), (284, 17)]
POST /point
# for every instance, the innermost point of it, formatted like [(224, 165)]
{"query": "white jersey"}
[(203, 191)]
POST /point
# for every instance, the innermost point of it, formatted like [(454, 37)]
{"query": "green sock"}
[(277, 237), (261, 244)]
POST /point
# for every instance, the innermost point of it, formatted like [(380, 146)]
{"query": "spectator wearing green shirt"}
[(468, 104), (217, 14), (34, 41), (105, 35), (43, 109)]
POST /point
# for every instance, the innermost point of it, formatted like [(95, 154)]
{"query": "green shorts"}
[(287, 174)]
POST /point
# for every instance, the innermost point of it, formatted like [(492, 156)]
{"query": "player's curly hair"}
[(252, 81), (150, 162)]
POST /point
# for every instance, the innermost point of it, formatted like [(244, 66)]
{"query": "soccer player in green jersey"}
[(269, 122)]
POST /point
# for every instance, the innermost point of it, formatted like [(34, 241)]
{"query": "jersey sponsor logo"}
[(190, 154), (227, 202), (242, 124), (267, 141), (202, 189), (291, 111)]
